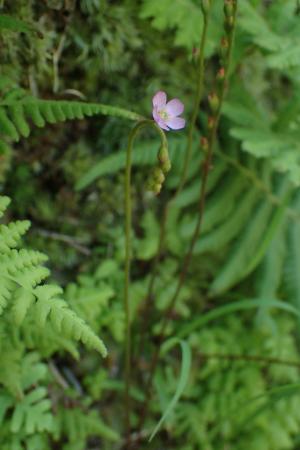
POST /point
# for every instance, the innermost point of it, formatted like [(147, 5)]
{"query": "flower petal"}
[(160, 122), (174, 107), (163, 125), (160, 99), (176, 123), (156, 115)]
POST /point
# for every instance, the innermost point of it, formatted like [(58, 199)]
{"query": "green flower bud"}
[(150, 184), (157, 188), (163, 154), (164, 160), (204, 143), (166, 166), (158, 175), (211, 122), (214, 102), (221, 75), (224, 48)]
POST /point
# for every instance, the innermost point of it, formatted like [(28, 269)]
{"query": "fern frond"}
[(6, 291), (77, 426), (66, 321), (234, 267), (227, 231), (31, 277), (190, 194), (292, 269), (21, 289), (33, 413), (10, 234), (23, 299), (271, 271), (17, 260), (4, 202), (253, 22), (219, 205), (10, 370), (15, 113)]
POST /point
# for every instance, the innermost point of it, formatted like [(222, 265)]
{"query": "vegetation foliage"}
[(75, 77)]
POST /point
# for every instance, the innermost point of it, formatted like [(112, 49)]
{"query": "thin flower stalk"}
[(213, 121), (187, 158), (128, 255)]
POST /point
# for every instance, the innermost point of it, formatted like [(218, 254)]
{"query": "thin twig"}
[(70, 240), (57, 375)]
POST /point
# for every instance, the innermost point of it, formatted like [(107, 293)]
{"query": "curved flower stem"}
[(188, 154), (128, 220), (205, 169)]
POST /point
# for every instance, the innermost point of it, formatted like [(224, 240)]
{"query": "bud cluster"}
[(229, 11), (224, 48), (216, 96), (158, 173)]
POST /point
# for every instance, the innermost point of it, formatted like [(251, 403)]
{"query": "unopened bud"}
[(204, 143), (205, 5), (229, 22), (153, 186), (166, 166), (221, 75), (214, 102), (164, 160), (224, 47), (210, 122), (163, 154), (158, 175), (157, 188)]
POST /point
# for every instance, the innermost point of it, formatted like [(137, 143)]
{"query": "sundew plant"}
[(150, 225)]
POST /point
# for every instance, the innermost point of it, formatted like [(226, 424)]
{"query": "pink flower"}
[(166, 114)]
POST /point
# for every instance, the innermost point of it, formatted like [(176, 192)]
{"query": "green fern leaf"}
[(10, 370), (33, 413), (18, 260), (10, 234), (4, 202), (292, 270), (67, 321), (7, 127), (231, 228), (23, 299), (21, 289), (6, 291), (234, 267)]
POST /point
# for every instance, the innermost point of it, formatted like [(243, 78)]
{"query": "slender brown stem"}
[(205, 169), (188, 153)]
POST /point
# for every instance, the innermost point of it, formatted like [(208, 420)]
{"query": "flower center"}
[(163, 114)]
